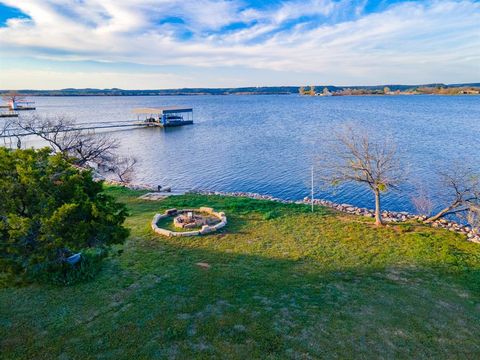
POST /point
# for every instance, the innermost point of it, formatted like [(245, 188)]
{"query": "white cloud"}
[(409, 42)]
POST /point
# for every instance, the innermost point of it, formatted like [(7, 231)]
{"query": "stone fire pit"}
[(191, 220), (204, 217)]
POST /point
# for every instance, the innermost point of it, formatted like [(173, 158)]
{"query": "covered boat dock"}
[(167, 116)]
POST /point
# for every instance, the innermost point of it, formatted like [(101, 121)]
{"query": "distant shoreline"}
[(236, 94), (317, 90)]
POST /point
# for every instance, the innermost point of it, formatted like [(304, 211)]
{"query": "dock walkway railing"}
[(19, 132)]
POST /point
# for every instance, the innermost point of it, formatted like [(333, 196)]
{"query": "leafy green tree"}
[(50, 208)]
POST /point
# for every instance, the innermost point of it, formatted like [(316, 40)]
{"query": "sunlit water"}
[(267, 144)]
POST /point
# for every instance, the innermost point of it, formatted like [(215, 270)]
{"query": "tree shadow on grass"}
[(254, 299), (156, 301)]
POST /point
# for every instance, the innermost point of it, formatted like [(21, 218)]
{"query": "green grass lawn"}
[(283, 283)]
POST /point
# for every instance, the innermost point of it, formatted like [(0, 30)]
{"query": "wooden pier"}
[(19, 132), (21, 105), (154, 117), (8, 115)]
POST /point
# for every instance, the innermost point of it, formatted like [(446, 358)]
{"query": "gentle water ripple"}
[(266, 144)]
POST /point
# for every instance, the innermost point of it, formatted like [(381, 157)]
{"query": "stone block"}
[(206, 229), (163, 232), (208, 210), (155, 219), (220, 225), (189, 233)]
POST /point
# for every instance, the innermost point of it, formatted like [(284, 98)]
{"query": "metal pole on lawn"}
[(312, 188)]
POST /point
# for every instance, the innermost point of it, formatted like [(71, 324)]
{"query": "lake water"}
[(267, 144)]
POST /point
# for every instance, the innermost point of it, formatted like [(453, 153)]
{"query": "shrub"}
[(63, 273), (49, 210)]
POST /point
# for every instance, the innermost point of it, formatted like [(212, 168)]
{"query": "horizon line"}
[(245, 87)]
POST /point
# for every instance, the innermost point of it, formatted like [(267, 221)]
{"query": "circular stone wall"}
[(206, 229)]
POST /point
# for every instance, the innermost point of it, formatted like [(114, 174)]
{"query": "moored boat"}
[(169, 116)]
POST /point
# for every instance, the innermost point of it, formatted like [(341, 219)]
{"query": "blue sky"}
[(152, 44)]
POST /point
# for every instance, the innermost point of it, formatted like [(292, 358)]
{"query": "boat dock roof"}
[(162, 110)]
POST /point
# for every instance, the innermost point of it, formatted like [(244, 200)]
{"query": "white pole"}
[(312, 188)]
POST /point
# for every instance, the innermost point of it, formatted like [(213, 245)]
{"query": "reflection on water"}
[(266, 144)]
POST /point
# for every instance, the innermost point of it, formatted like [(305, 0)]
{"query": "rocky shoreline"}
[(388, 216)]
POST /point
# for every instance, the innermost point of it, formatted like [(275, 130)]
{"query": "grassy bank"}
[(282, 283)]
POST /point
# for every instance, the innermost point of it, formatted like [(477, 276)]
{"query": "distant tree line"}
[(421, 90), (265, 90)]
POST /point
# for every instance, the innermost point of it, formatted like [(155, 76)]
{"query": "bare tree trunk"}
[(441, 213), (378, 215)]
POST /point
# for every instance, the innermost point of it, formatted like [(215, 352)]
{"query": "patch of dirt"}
[(153, 196), (203, 265)]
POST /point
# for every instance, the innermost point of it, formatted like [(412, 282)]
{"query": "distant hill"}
[(267, 90)]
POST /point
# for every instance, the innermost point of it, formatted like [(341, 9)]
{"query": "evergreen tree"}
[(49, 209)]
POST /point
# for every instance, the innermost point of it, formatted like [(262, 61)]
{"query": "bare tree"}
[(124, 168), (462, 188), (357, 158), (9, 135), (423, 202), (85, 148)]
